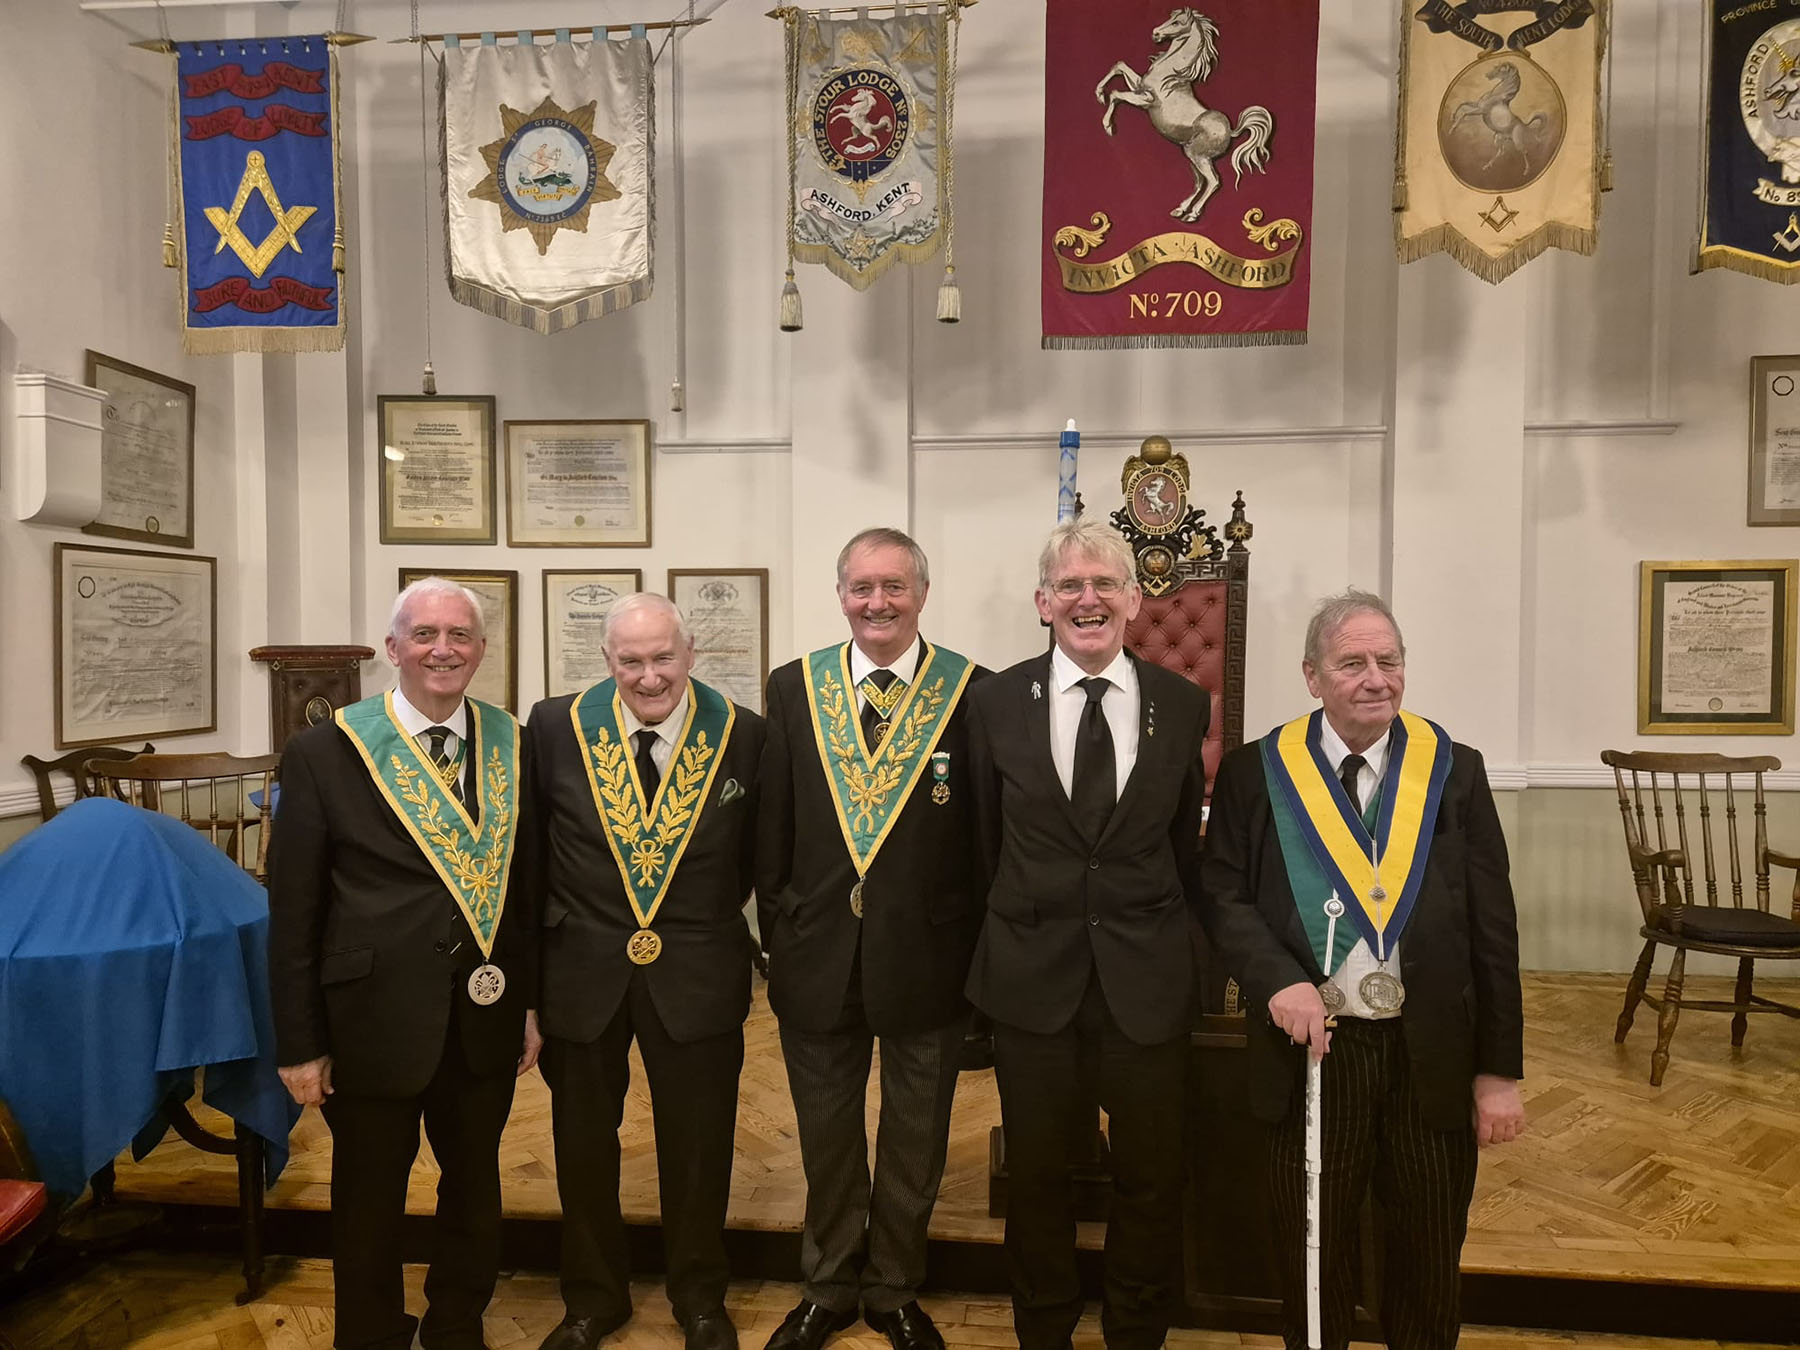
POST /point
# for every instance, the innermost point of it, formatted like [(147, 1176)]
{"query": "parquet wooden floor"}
[(1695, 1181), (156, 1302)]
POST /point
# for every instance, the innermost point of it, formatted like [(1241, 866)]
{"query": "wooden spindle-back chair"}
[(1693, 887), (229, 798), (75, 765)]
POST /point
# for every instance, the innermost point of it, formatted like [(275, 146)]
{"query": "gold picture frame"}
[(1716, 647), (435, 468), (578, 482), (1774, 480)]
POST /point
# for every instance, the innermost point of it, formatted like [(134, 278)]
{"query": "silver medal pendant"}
[(1381, 991), (1332, 997), (486, 984), (856, 898)]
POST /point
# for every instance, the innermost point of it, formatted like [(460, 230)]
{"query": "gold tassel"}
[(1400, 194), (791, 321), (337, 250), (1606, 172), (677, 397), (949, 309), (170, 257), (428, 383)]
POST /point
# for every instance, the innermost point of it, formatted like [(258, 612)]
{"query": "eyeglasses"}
[(1070, 588)]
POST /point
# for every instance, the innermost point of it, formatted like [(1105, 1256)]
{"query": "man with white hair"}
[(402, 963), (648, 785)]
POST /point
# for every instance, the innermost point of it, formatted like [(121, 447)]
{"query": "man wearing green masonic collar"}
[(402, 962)]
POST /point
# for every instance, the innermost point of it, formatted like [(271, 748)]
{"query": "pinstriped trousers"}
[(1374, 1135)]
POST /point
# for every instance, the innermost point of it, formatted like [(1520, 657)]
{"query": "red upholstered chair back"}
[(1189, 632)]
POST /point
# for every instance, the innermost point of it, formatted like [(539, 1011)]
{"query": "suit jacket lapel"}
[(1149, 752), (1035, 699)]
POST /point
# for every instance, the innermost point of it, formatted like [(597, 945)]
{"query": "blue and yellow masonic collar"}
[(473, 858), (1375, 870), (869, 790)]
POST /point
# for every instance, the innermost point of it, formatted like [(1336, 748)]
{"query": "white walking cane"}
[(1334, 910)]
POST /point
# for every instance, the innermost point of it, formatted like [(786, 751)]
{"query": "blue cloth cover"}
[(132, 951)]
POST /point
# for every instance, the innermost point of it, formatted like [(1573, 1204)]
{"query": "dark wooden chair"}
[(74, 764), (229, 798), (1693, 886)]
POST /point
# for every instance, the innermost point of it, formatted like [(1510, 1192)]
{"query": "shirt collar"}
[(1065, 674), (414, 723), (1332, 746), (906, 667), (666, 730)]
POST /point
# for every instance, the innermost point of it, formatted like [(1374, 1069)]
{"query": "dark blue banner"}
[(1752, 140), (256, 123)]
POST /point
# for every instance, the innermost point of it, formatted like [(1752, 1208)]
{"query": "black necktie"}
[(1095, 789), (874, 721), (1347, 772), (440, 760), (648, 774)]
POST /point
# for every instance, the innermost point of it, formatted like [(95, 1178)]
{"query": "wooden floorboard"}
[(1697, 1181), (163, 1302)]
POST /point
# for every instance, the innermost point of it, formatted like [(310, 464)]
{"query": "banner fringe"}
[(1447, 238), (861, 278), (226, 341), (1142, 341), (1765, 269), (548, 321)]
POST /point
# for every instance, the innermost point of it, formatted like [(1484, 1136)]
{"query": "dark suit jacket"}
[(1459, 954), (369, 956), (700, 983), (920, 903), (1060, 904)]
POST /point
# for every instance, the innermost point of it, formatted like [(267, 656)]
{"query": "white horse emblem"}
[(1165, 91), (1495, 111), (856, 112)]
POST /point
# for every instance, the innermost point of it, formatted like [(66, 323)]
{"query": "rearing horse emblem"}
[(1165, 91)]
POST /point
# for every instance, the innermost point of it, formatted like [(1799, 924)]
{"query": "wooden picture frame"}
[(578, 483), (436, 468), (136, 644), (727, 610), (575, 602), (146, 454), (1716, 647), (1774, 478), (497, 679)]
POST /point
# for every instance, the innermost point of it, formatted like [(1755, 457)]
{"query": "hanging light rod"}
[(165, 45), (858, 9), (552, 32)]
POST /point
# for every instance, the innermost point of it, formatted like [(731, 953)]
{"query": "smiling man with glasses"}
[(1089, 785)]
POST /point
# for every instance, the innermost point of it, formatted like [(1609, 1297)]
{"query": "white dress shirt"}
[(415, 723), (862, 665), (668, 731), (1360, 960), (1119, 704)]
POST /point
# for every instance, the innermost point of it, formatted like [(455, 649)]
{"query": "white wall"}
[(1497, 459)]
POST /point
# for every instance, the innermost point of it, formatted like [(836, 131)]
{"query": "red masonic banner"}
[(1178, 169)]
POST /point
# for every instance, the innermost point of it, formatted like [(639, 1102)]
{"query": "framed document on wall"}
[(575, 608), (1716, 648), (1775, 440), (136, 645), (146, 454), (436, 469), (497, 679), (728, 613), (578, 484)]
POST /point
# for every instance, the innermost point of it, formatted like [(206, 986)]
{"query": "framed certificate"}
[(497, 679), (575, 609), (146, 454), (1774, 440), (437, 469), (578, 484), (1716, 648), (136, 645), (728, 613)]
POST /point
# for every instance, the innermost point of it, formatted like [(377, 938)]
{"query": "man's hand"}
[(308, 1083), (534, 1042), (1499, 1110), (1299, 1011)]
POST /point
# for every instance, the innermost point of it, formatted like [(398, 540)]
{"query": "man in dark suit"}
[(1089, 786), (866, 907), (1359, 843), (646, 832), (402, 963)]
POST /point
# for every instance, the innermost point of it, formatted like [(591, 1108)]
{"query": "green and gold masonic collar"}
[(869, 790), (1374, 867), (647, 838), (474, 858)]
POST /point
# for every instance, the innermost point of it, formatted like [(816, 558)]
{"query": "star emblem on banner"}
[(547, 170), (288, 221)]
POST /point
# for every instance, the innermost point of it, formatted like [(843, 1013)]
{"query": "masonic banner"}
[(547, 172), (1178, 186), (256, 192), (1751, 145), (1500, 152)]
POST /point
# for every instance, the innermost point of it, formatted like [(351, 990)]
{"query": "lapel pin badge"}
[(940, 775), (1037, 690)]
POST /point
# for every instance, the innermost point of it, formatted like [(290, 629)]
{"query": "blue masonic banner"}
[(1752, 142), (256, 190)]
